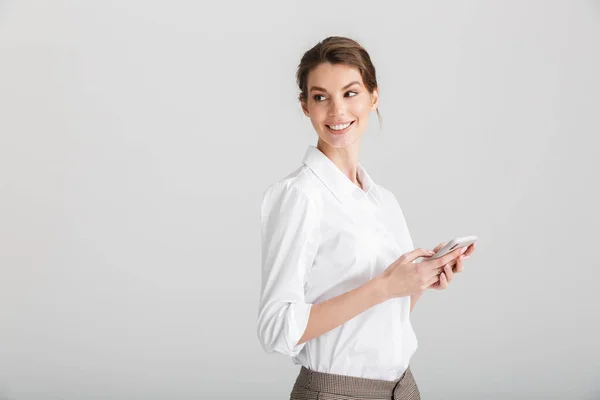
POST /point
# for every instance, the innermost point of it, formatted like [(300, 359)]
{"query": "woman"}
[(339, 272)]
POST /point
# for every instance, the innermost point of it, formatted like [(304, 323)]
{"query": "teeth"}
[(339, 127)]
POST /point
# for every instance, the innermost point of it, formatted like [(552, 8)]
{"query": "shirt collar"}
[(339, 184)]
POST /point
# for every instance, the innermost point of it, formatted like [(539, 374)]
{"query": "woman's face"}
[(337, 97)]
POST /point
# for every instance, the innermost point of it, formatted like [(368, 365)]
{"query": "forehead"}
[(333, 76)]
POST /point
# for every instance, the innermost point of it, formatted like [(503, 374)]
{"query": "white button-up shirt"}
[(323, 236)]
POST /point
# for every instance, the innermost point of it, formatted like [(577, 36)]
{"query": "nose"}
[(336, 107)]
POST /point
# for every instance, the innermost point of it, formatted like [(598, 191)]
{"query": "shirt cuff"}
[(297, 320)]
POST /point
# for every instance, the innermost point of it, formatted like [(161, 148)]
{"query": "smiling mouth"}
[(339, 127)]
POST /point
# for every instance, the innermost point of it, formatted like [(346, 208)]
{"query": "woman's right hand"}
[(405, 277)]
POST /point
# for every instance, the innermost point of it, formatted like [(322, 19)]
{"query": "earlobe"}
[(304, 109)]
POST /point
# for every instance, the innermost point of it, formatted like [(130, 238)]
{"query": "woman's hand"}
[(405, 277), (449, 269)]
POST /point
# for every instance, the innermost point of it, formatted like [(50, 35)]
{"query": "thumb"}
[(416, 253), (439, 246)]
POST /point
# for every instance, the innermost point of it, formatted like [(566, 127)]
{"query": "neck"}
[(345, 158)]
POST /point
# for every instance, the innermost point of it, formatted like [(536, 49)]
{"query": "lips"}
[(338, 132), (339, 123)]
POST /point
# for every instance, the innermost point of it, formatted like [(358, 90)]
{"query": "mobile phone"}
[(465, 241)]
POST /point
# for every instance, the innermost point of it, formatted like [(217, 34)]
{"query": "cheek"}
[(317, 114), (361, 108)]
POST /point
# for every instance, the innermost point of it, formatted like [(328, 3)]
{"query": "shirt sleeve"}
[(289, 233)]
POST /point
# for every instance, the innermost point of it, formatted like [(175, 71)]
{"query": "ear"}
[(375, 99), (303, 105)]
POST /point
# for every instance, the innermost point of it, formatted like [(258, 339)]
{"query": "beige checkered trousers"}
[(312, 385)]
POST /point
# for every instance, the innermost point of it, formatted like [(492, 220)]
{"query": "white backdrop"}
[(137, 137)]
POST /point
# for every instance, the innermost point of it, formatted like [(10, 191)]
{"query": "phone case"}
[(453, 244)]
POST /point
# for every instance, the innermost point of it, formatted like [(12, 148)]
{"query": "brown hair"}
[(337, 50)]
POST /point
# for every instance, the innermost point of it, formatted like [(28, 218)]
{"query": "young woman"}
[(339, 271)]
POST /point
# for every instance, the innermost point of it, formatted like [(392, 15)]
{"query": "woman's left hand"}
[(447, 271)]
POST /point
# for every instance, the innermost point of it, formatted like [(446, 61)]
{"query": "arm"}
[(334, 312), (290, 236), (400, 279)]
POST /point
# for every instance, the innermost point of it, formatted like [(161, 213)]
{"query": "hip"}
[(324, 386)]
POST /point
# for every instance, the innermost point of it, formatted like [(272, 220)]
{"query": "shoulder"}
[(389, 199), (387, 196), (295, 192)]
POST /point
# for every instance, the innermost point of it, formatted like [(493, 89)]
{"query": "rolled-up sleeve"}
[(290, 235)]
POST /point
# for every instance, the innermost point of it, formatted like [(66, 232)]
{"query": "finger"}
[(439, 262), (470, 250), (434, 275), (434, 281), (439, 246), (448, 272), (425, 258), (416, 253), (443, 282), (438, 270), (459, 265)]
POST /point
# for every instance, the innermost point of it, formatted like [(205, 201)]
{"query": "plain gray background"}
[(137, 137)]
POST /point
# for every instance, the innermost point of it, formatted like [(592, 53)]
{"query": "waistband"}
[(348, 385)]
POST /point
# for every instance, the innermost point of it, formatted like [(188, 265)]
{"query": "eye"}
[(316, 97), (354, 93)]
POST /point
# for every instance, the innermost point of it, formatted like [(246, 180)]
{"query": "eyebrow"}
[(344, 88)]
